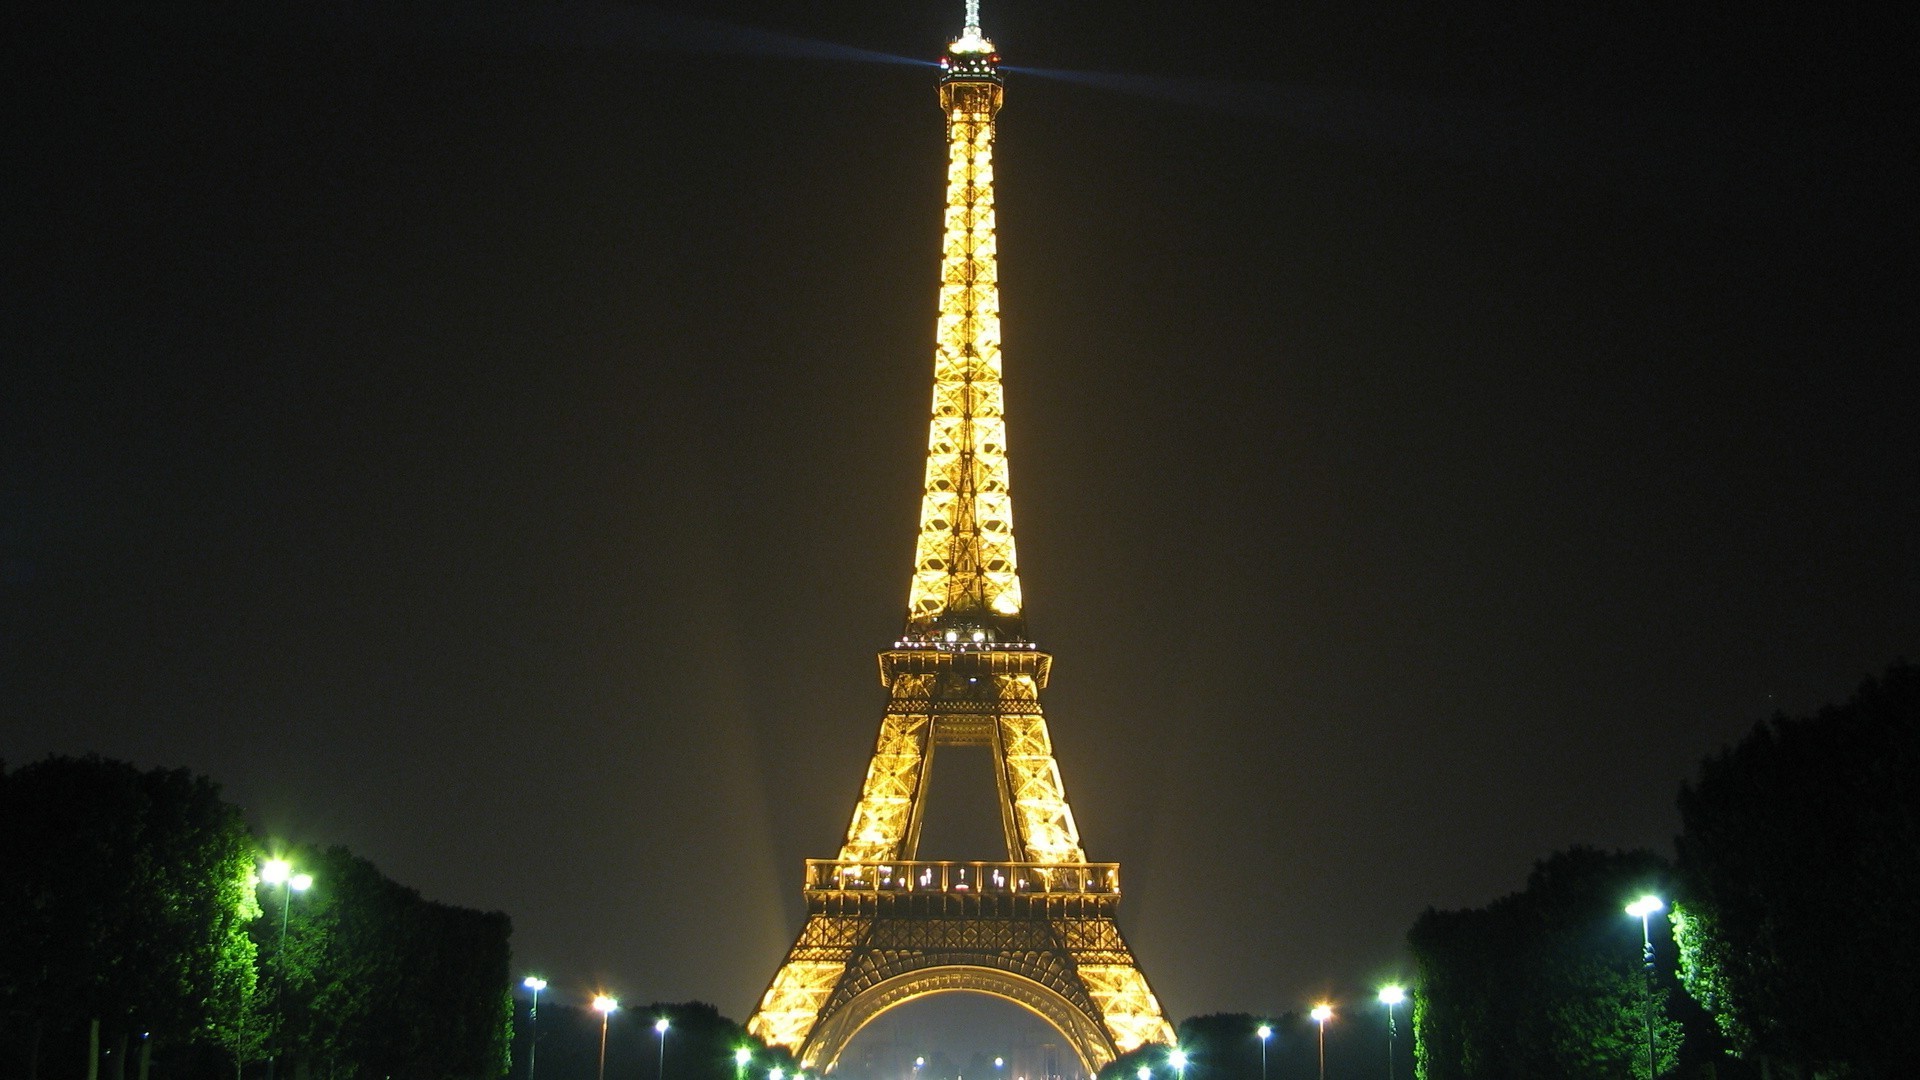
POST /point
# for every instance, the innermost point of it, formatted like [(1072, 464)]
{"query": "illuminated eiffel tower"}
[(1037, 929)]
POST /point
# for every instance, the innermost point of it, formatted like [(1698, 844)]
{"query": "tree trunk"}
[(93, 1049)]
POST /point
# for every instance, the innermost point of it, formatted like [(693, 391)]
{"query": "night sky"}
[(489, 436)]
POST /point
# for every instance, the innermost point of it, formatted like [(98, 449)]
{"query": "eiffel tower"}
[(1038, 929)]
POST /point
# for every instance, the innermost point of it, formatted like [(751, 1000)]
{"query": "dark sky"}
[(488, 436)]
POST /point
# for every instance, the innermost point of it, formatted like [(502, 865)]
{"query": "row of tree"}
[(1788, 948), (139, 934)]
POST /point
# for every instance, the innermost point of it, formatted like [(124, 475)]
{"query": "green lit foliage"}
[(1545, 982), (1703, 963), (126, 901), (380, 982), (1800, 855)]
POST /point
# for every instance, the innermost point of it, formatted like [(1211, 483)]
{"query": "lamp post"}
[(741, 1057), (1265, 1031), (536, 984), (1144, 1072), (660, 1027), (1178, 1059), (604, 1005), (280, 872), (1645, 907), (776, 1073), (1391, 995), (1322, 1013)]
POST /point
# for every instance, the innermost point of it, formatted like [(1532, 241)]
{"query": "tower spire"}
[(972, 30), (965, 578)]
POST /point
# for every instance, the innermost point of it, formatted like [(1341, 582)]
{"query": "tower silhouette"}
[(1037, 929)]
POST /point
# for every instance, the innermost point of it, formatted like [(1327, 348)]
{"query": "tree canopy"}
[(1547, 981), (1800, 858), (126, 900), (133, 908), (379, 982)]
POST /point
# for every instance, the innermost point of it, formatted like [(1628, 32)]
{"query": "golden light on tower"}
[(964, 561), (1038, 929)]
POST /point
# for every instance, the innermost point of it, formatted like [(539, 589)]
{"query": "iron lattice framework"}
[(1038, 929)]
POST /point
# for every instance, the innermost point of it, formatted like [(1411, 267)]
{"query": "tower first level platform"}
[(1039, 935)]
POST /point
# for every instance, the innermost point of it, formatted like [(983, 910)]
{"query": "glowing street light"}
[(1178, 1059), (1322, 1013), (1391, 995), (1265, 1032), (660, 1027), (776, 1073), (1643, 908), (280, 872), (604, 1005), (741, 1057), (1144, 1072), (536, 984)]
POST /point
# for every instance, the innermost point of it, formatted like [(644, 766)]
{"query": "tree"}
[(1223, 1045), (1800, 857), (126, 898), (699, 1044), (1544, 982), (380, 982)]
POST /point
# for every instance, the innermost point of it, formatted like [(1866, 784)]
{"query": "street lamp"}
[(1391, 995), (1144, 1072), (280, 872), (776, 1073), (1322, 1013), (660, 1028), (536, 984), (740, 1058), (1178, 1059), (1644, 907), (1265, 1032), (604, 1005)]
